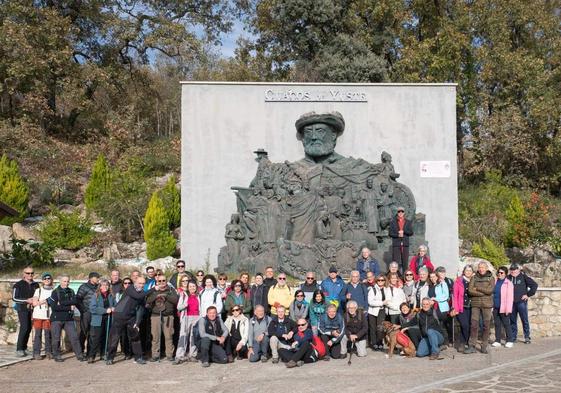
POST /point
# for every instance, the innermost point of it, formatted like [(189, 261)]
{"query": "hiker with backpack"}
[(280, 294), (41, 317), (210, 296), (257, 337)]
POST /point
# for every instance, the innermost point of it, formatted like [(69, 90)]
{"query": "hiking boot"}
[(109, 362), (139, 361), (435, 356), (264, 359), (327, 358), (49, 355), (343, 356), (91, 360), (527, 340), (21, 354), (170, 359), (509, 345), (291, 364), (81, 358), (299, 363), (484, 350), (37, 357), (128, 357), (177, 361), (206, 364), (156, 359), (469, 350), (58, 359), (496, 344), (275, 360)]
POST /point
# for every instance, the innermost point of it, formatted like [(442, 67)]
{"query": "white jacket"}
[(375, 302), (244, 326), (43, 311), (207, 299), (397, 296)]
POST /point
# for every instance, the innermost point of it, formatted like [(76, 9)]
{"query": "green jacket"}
[(480, 290)]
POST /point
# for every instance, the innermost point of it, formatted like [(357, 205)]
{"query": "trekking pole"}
[(108, 324), (351, 353), (160, 338)]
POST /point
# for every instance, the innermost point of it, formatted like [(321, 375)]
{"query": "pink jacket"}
[(458, 295), (507, 297)]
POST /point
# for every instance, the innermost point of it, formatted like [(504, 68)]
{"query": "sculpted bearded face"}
[(319, 140)]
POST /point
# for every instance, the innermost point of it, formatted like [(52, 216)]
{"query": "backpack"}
[(318, 346)]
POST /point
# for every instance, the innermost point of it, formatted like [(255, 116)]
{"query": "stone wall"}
[(544, 310)]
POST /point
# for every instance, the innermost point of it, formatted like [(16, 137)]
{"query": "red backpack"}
[(319, 346)]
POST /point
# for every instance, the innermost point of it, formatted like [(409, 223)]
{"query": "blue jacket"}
[(371, 265), (316, 313), (442, 295), (332, 289), (327, 325), (98, 310), (358, 294)]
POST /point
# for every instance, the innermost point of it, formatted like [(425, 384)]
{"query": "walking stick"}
[(351, 353), (108, 324)]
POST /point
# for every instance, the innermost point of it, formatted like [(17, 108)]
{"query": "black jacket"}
[(22, 291), (61, 302), (84, 296), (259, 296), (427, 321), (130, 305), (162, 302), (117, 287), (523, 285), (394, 232), (277, 328), (357, 324)]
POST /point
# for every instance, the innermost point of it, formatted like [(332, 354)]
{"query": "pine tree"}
[(14, 192), (171, 197), (159, 241), (99, 184)]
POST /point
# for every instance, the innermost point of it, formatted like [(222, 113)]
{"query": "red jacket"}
[(413, 265)]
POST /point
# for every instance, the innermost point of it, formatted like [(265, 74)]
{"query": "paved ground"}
[(527, 368), (8, 356)]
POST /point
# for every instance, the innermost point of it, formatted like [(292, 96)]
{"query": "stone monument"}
[(318, 211)]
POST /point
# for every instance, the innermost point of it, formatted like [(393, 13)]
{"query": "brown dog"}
[(390, 331)]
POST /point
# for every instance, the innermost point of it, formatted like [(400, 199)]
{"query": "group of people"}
[(210, 320)]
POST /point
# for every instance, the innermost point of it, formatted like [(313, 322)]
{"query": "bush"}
[(171, 198), (490, 251), (99, 184), (66, 230), (26, 253), (14, 192), (159, 241)]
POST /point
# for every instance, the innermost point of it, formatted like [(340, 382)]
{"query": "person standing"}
[(299, 307), (209, 296), (377, 301), (400, 230), (175, 279), (318, 307), (128, 315), (102, 305), (503, 296), (237, 297), (189, 313), (480, 290), (63, 302), (161, 301), (258, 293), (116, 282), (41, 317), (332, 287), (270, 279), (22, 296), (420, 260), (309, 286), (280, 294), (83, 297), (354, 290), (524, 288), (367, 263), (461, 304)]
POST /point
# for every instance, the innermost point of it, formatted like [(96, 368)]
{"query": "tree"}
[(14, 192), (159, 241), (99, 184), (171, 199)]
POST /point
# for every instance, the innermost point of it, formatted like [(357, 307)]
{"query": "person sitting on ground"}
[(396, 298), (309, 286), (162, 301), (301, 350), (419, 261), (480, 289), (212, 333), (367, 263), (237, 297), (299, 306), (258, 337), (409, 287), (281, 329), (102, 305), (356, 328), (393, 268), (431, 332), (318, 307), (461, 305), (258, 293), (503, 296), (209, 296), (280, 294), (409, 323), (40, 317), (355, 290), (238, 326), (332, 286), (332, 333), (63, 302)]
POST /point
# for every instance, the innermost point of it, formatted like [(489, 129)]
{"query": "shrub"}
[(99, 184), (490, 251), (159, 241), (66, 230), (13, 190), (171, 197), (25, 253)]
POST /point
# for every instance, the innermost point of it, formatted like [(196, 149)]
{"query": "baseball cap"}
[(333, 269)]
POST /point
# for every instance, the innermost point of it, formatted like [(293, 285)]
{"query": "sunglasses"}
[(236, 310), (127, 283), (180, 266), (309, 278), (162, 280), (222, 279), (29, 272), (282, 278), (302, 324), (381, 280), (408, 275), (401, 211), (299, 295), (501, 273)]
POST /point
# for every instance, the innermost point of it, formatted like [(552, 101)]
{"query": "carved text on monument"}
[(331, 95)]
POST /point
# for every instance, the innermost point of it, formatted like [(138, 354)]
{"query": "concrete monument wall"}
[(223, 123)]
